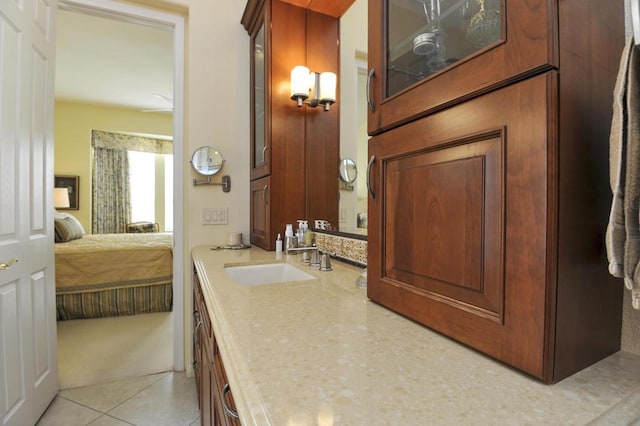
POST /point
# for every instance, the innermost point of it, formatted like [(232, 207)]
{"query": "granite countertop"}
[(318, 352)]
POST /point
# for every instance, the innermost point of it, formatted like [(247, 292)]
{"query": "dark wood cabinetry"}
[(261, 212), (213, 390), (490, 191), (524, 45), (294, 151)]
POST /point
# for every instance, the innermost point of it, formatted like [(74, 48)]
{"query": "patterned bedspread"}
[(113, 261)]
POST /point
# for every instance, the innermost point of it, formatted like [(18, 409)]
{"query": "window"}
[(168, 192), (151, 183)]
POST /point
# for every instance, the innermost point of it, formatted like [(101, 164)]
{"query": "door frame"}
[(174, 22)]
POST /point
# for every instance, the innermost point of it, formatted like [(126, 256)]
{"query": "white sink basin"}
[(267, 273)]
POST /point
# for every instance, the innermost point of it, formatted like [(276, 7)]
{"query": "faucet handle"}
[(315, 258), (325, 262)]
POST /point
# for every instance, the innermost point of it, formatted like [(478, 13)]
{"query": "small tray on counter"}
[(232, 247)]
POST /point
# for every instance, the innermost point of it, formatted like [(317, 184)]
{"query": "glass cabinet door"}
[(259, 159), (426, 36), (425, 55)]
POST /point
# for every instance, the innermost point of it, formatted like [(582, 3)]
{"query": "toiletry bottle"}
[(278, 244), (300, 233), (289, 230)]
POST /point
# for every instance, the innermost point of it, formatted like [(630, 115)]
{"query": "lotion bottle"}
[(279, 244)]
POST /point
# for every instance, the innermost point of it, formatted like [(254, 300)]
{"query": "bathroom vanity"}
[(317, 351)]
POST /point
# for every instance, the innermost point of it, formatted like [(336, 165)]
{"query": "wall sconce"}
[(61, 198), (318, 88)]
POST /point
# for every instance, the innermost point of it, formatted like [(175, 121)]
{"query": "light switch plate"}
[(215, 216)]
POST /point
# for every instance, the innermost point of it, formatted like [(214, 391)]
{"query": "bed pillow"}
[(59, 215), (67, 229)]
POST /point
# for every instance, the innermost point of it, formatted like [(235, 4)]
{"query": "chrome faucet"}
[(312, 255), (325, 262), (302, 249)]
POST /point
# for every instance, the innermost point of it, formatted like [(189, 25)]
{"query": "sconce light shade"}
[(312, 87), (61, 198), (327, 89), (299, 84)]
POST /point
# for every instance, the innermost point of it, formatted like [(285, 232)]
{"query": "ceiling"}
[(110, 62)]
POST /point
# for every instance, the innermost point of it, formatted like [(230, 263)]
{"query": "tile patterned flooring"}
[(155, 400)]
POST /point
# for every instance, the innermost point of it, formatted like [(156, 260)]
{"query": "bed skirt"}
[(115, 302)]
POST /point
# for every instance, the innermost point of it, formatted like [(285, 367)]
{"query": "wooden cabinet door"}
[(423, 58), (223, 396), (261, 212), (207, 385), (260, 140), (202, 343), (197, 359), (463, 211)]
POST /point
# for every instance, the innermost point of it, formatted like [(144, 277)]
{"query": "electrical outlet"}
[(215, 216)]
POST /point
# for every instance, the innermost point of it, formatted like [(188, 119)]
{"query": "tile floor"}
[(101, 350), (156, 400)]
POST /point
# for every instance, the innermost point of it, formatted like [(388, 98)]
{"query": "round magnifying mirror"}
[(207, 161), (348, 170)]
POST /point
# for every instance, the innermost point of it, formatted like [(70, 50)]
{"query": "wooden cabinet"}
[(217, 407), (261, 212), (406, 83), (489, 210), (293, 150)]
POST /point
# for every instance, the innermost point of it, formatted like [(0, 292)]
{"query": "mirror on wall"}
[(353, 117), (347, 170), (207, 161)]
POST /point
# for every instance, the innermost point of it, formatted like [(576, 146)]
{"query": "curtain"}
[(129, 142), (111, 205), (111, 195)]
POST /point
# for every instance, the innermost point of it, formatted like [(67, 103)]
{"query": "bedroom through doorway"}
[(104, 83)]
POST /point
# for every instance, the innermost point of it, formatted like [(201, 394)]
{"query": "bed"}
[(105, 275)]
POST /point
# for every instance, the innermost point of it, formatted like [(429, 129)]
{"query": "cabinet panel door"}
[(444, 226), (426, 55), (464, 207), (206, 385), (260, 155), (261, 212)]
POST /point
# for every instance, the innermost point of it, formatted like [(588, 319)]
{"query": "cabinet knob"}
[(372, 72)]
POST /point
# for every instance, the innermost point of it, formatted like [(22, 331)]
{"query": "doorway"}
[(175, 24)]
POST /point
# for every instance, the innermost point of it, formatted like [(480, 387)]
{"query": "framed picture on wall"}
[(72, 184)]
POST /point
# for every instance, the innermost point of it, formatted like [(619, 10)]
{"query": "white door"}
[(28, 352)]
